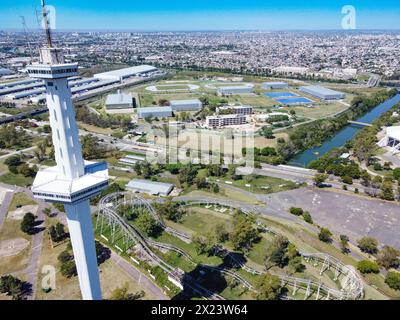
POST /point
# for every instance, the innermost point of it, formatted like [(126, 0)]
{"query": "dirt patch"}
[(20, 212), (12, 247)]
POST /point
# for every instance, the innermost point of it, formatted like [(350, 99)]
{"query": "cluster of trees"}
[(315, 133), (92, 149), (281, 253), (170, 210), (13, 287), (103, 121), (11, 138), (267, 155), (300, 212), (68, 266), (17, 166), (142, 219), (145, 169), (242, 236), (387, 257)]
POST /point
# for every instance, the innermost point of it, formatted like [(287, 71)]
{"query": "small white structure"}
[(150, 187), (186, 105), (275, 85), (392, 139)]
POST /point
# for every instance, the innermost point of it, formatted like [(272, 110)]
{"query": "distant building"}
[(246, 110), (225, 120), (391, 139), (5, 72), (275, 85), (291, 70), (155, 112), (120, 101), (186, 105), (323, 93), (132, 159), (122, 74), (230, 90), (150, 187)]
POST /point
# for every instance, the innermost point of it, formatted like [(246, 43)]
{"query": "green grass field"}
[(16, 179)]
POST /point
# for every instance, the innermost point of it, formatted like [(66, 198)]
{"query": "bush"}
[(347, 180), (368, 245), (307, 217), (393, 280), (12, 286), (325, 235), (296, 211), (366, 266)]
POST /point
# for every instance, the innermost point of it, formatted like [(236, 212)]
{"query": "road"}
[(18, 152), (138, 276), (4, 206)]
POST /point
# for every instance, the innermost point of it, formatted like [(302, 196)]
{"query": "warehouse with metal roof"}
[(323, 93), (275, 85), (150, 187), (123, 74), (155, 112), (119, 101), (186, 105)]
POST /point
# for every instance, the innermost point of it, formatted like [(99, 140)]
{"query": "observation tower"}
[(73, 181)]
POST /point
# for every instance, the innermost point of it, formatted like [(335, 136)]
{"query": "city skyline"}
[(205, 15)]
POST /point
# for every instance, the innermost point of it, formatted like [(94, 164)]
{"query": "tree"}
[(393, 280), (296, 265), (27, 223), (366, 266), (267, 132), (344, 243), (122, 293), (368, 245), (276, 252), (396, 174), (268, 287), (13, 162), (204, 244), (68, 269), (170, 210), (147, 224), (319, 179), (65, 256), (388, 258), (244, 233), (221, 234), (12, 286)]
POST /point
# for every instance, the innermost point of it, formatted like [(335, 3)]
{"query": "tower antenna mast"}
[(47, 25)]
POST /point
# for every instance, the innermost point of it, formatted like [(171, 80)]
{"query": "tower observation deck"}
[(73, 181)]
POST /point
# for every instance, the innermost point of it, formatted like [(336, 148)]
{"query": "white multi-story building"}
[(246, 110), (226, 120)]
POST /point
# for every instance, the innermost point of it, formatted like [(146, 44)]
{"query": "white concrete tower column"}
[(81, 231)]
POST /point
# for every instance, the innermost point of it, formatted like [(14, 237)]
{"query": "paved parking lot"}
[(345, 213)]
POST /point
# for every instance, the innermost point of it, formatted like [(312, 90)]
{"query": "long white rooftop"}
[(126, 73)]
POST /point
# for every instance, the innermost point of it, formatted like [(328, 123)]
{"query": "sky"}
[(190, 15)]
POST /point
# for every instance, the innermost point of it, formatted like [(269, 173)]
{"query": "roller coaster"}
[(350, 282)]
